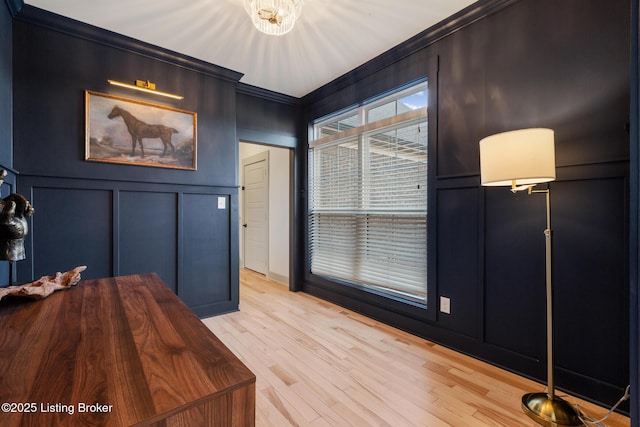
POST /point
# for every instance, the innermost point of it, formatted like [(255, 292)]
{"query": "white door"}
[(256, 212)]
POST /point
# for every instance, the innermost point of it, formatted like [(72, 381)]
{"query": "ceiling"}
[(330, 37)]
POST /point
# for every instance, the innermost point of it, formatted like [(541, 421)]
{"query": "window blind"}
[(368, 203)]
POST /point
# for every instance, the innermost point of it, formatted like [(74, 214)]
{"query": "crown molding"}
[(246, 89), (55, 22)]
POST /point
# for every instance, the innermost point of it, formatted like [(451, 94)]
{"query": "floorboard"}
[(318, 364)]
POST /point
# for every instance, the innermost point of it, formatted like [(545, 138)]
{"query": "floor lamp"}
[(521, 159)]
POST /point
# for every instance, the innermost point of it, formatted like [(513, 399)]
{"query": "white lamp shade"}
[(523, 157)]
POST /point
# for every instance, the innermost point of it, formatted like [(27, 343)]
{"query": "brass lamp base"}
[(550, 412)]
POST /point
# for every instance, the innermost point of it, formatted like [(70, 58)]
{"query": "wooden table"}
[(117, 351)]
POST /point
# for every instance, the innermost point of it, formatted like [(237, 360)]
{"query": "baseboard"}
[(278, 278)]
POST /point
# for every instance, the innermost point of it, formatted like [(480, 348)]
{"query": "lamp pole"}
[(546, 408), (549, 286)]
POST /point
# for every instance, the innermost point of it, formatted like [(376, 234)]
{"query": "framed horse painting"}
[(121, 130)]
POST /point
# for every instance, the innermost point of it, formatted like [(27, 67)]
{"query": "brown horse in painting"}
[(139, 130)]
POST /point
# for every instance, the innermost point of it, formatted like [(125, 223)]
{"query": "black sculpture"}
[(14, 211)]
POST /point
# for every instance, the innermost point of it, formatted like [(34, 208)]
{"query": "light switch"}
[(222, 202)]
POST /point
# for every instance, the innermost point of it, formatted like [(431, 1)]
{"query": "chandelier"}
[(274, 17)]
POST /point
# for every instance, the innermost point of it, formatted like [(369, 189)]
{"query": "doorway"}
[(265, 207)]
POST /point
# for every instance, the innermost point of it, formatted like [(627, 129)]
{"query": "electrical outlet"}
[(445, 305)]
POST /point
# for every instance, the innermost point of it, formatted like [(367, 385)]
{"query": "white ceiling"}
[(330, 37)]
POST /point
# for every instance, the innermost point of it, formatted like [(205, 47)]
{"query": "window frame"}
[(363, 109)]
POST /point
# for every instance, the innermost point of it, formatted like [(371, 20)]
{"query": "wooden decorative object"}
[(46, 285)]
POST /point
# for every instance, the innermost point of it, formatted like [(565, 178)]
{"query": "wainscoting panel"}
[(514, 271), (116, 228), (458, 267), (589, 273), (206, 245), (71, 227), (147, 234), (590, 247)]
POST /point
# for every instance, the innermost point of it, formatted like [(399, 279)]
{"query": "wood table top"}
[(113, 351)]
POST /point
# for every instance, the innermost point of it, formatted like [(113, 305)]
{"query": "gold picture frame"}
[(133, 132)]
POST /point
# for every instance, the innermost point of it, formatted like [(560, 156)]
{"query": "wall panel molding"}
[(458, 275), (121, 228)]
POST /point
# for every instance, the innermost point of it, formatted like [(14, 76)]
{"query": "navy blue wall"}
[(6, 83), (634, 324), (266, 117), (121, 219), (529, 63)]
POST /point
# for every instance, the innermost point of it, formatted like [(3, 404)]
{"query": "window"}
[(368, 195)]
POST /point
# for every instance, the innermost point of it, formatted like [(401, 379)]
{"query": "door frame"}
[(295, 284)]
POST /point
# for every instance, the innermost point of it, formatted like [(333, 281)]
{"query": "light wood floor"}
[(318, 364)]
